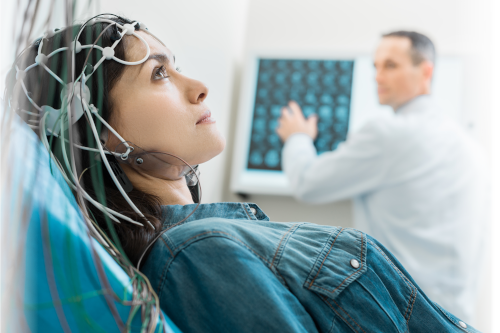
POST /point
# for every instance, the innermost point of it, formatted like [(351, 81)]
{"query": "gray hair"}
[(422, 48)]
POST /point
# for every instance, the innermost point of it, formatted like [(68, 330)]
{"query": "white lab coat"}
[(419, 187)]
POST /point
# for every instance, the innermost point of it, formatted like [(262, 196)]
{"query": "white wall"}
[(458, 28)]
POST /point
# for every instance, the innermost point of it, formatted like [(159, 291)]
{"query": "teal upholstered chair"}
[(62, 288)]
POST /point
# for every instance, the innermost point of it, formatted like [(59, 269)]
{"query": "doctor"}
[(417, 179)]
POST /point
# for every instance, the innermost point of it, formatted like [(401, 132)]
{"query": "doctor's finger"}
[(285, 113), (280, 122), (312, 121), (295, 108), (313, 118), (279, 131), (312, 126)]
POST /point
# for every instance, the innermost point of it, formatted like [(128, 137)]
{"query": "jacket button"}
[(253, 210), (354, 263), (462, 324)]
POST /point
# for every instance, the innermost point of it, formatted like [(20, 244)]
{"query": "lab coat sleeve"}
[(358, 166)]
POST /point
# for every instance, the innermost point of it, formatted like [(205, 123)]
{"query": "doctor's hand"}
[(292, 121)]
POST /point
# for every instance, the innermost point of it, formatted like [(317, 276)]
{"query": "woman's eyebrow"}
[(161, 57)]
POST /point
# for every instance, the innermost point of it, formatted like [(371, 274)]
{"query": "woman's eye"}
[(160, 73)]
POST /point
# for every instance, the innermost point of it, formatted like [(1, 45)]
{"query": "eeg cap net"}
[(75, 103)]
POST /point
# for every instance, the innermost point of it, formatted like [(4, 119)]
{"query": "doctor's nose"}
[(379, 77)]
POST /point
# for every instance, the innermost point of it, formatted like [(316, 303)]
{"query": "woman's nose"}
[(197, 92)]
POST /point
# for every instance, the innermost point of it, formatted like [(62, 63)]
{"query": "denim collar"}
[(417, 104), (228, 210)]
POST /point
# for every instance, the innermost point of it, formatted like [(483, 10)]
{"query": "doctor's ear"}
[(427, 69)]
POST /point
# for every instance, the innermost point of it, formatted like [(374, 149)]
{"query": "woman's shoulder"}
[(249, 233), (230, 220), (215, 237)]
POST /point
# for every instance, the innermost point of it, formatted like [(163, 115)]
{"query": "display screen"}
[(322, 87)]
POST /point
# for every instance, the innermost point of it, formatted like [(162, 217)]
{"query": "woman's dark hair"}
[(94, 177)]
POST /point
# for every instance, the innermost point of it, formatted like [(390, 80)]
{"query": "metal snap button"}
[(354, 263), (253, 210), (462, 324)]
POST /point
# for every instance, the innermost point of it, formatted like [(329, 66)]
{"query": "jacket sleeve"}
[(358, 166), (219, 285)]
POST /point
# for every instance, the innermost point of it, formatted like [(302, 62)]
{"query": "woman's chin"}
[(222, 144), (212, 148)]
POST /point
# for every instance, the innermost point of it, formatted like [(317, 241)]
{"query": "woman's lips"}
[(206, 118)]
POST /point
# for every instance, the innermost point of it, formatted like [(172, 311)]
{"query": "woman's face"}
[(159, 109)]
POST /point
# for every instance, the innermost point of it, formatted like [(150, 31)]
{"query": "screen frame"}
[(249, 181)]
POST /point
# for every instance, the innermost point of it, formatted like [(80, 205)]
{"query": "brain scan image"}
[(321, 87)]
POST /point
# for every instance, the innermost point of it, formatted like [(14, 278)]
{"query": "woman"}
[(220, 267)]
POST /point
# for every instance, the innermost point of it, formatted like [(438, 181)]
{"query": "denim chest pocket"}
[(341, 261)]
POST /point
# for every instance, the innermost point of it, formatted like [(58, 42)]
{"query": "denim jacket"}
[(229, 269)]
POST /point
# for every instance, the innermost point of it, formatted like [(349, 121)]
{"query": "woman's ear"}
[(104, 135)]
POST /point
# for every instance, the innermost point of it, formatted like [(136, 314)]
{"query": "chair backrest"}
[(62, 288)]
